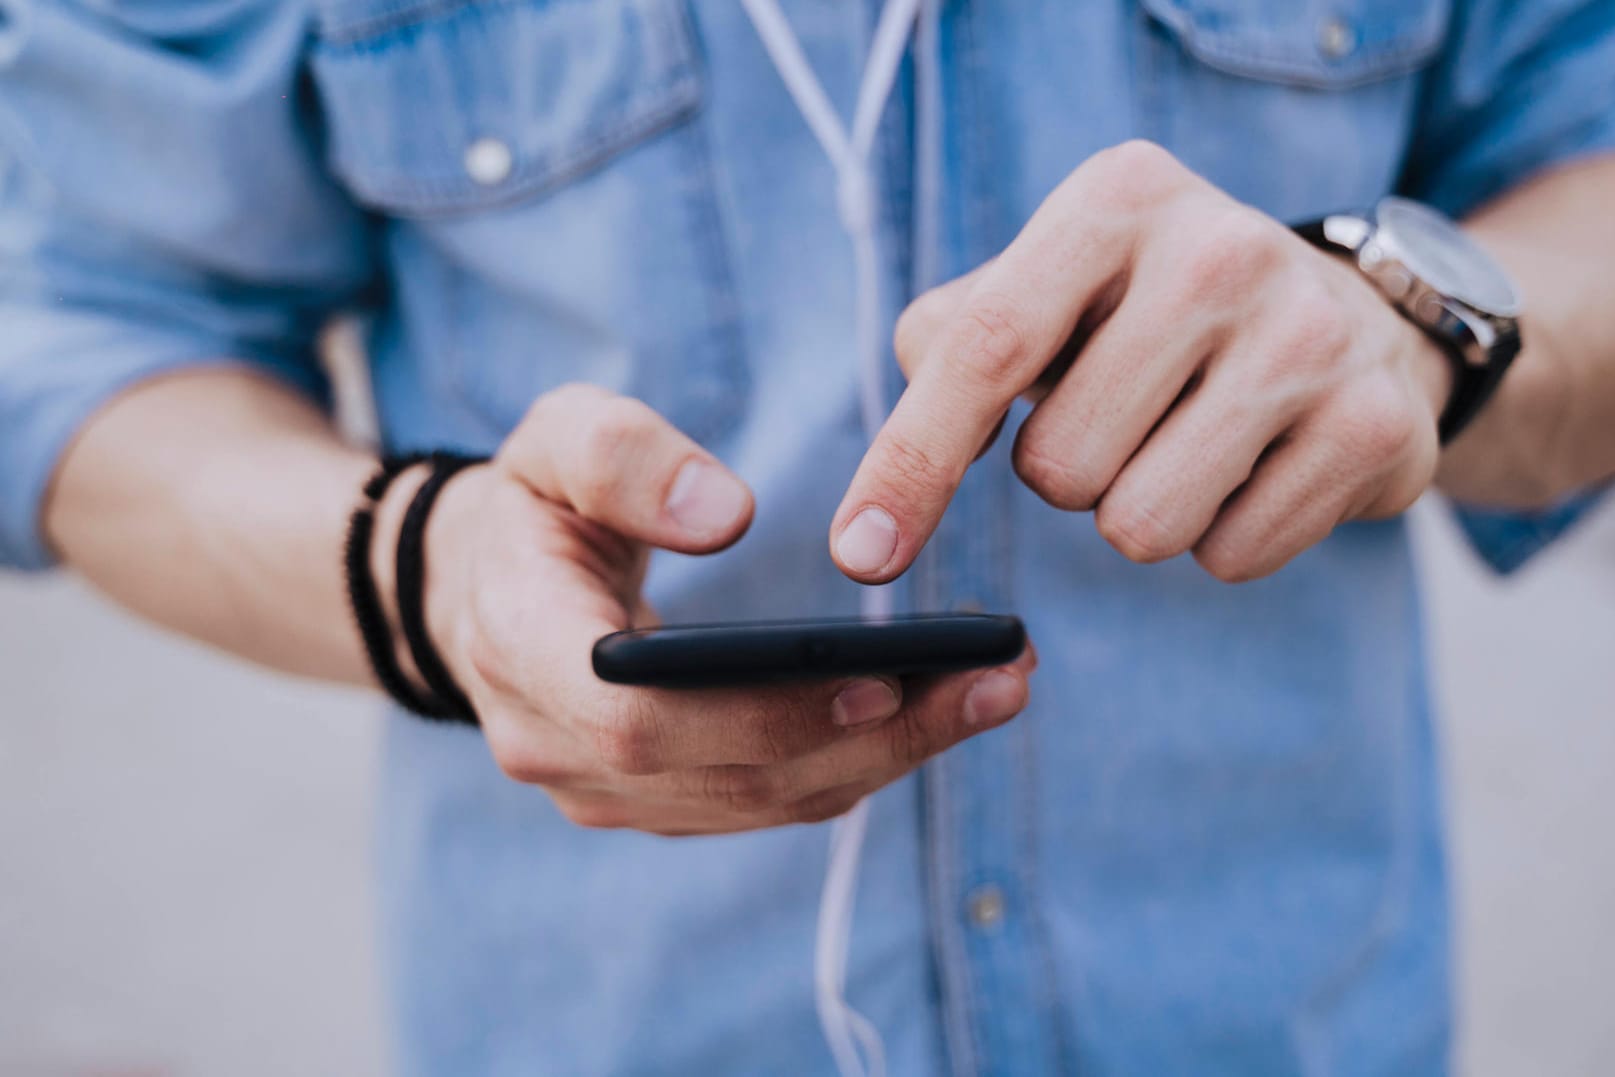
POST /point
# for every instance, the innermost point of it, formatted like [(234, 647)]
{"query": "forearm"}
[(215, 502), (1550, 430)]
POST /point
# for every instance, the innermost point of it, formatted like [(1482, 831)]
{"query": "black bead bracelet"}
[(443, 699)]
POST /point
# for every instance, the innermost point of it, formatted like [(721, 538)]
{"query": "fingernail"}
[(867, 543), (865, 701), (705, 499), (995, 698)]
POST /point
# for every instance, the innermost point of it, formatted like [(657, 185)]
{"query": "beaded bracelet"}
[(411, 567), (374, 628)]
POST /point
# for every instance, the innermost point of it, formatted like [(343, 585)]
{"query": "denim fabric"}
[(1214, 838)]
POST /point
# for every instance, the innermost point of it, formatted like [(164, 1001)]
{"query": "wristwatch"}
[(1441, 281)]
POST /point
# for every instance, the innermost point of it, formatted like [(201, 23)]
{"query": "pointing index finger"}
[(1015, 320)]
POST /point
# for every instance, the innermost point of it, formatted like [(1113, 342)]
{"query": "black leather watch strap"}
[(1473, 386), (1313, 233)]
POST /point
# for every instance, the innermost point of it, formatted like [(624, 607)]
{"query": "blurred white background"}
[(184, 858)]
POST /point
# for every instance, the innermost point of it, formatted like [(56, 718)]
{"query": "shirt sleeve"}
[(1523, 85), (162, 206)]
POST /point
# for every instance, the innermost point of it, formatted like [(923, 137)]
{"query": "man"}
[(598, 241)]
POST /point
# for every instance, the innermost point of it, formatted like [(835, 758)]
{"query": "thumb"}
[(614, 461)]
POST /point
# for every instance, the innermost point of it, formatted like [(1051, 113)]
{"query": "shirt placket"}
[(978, 809), (980, 798), (979, 817)]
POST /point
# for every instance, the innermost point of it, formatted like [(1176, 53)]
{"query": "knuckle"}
[(912, 466), (821, 807), (777, 731), (563, 398), (907, 335), (628, 746), (910, 742), (591, 813), (1245, 229), (1210, 271), (1057, 477), (916, 325), (990, 341), (1400, 494), (571, 398), (771, 744), (1228, 257), (1140, 157), (1138, 532), (1129, 176), (513, 764), (741, 789), (1225, 562), (1380, 424), (1316, 330), (616, 427), (518, 759), (616, 431), (597, 484)]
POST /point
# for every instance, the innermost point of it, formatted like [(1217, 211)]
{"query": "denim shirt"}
[(1212, 844)]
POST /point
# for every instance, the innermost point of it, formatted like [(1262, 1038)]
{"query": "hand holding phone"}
[(537, 555)]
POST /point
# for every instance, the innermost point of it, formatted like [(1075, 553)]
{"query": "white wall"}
[(184, 858), (183, 855), (1526, 677)]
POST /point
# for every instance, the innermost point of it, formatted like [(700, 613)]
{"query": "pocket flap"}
[(1329, 44), (437, 106)]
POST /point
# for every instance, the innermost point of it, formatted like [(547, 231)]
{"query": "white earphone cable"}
[(848, 1031)]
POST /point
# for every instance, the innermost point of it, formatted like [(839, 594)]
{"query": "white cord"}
[(847, 1030)]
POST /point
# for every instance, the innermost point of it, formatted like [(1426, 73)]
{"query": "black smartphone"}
[(699, 656)]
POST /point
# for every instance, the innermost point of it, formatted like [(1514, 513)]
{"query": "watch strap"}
[(1473, 386), (1314, 233)]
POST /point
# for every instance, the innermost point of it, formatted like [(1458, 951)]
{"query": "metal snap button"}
[(1336, 38), (986, 906), (489, 161)]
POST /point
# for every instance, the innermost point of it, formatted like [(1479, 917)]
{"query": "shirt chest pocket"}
[(550, 209), (1299, 107)]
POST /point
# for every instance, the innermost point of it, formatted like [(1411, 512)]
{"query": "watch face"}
[(1441, 255)]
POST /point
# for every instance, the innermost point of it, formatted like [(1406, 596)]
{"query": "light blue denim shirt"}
[(1213, 842)]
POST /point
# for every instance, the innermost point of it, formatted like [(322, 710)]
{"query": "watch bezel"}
[(1388, 232)]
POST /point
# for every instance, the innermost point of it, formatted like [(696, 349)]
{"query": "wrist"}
[(1430, 367), (1517, 454), (1425, 364)]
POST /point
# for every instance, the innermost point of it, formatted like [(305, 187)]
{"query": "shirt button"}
[(488, 161), (986, 907), (1336, 38)]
